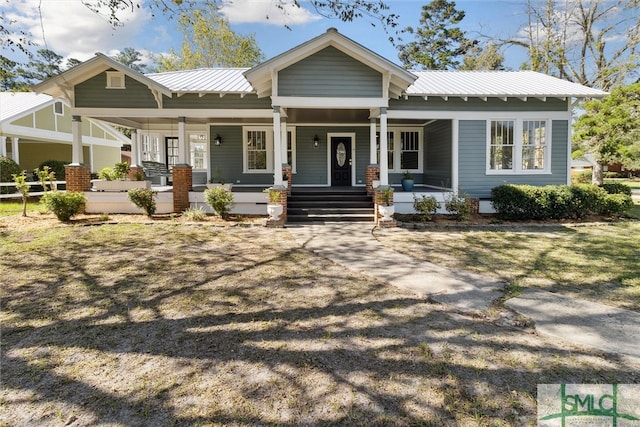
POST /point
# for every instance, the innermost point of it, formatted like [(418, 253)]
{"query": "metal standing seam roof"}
[(429, 83), (14, 104), (496, 84), (216, 80)]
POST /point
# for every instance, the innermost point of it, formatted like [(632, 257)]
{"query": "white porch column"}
[(277, 148), (284, 136), (372, 142), (384, 163), (3, 146), (15, 152), (77, 156), (454, 155), (183, 142), (135, 157)]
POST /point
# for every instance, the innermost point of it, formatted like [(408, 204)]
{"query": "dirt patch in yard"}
[(171, 324)]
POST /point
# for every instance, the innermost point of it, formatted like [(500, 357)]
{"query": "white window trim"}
[(61, 113), (111, 76), (159, 153), (292, 129), (205, 140), (397, 148), (517, 148), (269, 147)]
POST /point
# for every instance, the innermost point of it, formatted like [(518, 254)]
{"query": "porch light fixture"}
[(218, 140), (316, 141)]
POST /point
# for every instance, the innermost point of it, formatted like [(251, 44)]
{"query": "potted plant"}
[(115, 179), (218, 181), (407, 181), (274, 207), (385, 208)]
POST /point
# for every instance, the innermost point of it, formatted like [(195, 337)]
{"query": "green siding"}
[(472, 160), (311, 163), (437, 154), (475, 104), (329, 73), (228, 158), (93, 93), (195, 101)]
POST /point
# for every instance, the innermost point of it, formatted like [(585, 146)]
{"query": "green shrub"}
[(524, 202), (459, 205), (8, 168), (63, 205), (426, 206), (106, 173), (616, 188), (220, 200), (586, 199), (144, 198), (55, 166), (118, 171), (121, 170), (616, 204)]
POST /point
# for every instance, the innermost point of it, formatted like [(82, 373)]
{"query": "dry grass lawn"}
[(170, 324)]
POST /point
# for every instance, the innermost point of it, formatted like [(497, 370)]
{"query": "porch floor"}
[(323, 189)]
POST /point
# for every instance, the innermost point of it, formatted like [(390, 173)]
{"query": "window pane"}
[(256, 150), (198, 152), (501, 157), (290, 148), (533, 144), (390, 148), (410, 145), (501, 151)]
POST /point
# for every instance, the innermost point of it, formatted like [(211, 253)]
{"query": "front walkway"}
[(579, 322), (353, 245)]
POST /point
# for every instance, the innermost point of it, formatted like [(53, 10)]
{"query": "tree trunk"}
[(597, 174)]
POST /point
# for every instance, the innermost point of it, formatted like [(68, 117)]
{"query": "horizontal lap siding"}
[(93, 93), (228, 158), (311, 163), (329, 73), (472, 155), (437, 162)]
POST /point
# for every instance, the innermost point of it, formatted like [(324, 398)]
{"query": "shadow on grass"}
[(173, 326)]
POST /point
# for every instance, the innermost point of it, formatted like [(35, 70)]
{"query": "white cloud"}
[(71, 29), (267, 12)]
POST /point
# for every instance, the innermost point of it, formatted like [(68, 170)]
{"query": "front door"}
[(341, 161)]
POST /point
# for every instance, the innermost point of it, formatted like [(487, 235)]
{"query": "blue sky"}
[(71, 30)]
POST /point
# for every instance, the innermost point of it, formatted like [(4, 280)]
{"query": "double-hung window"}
[(291, 149), (410, 150), (151, 147), (501, 145), (258, 149), (198, 147), (390, 149), (518, 146), (534, 144), (404, 150)]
